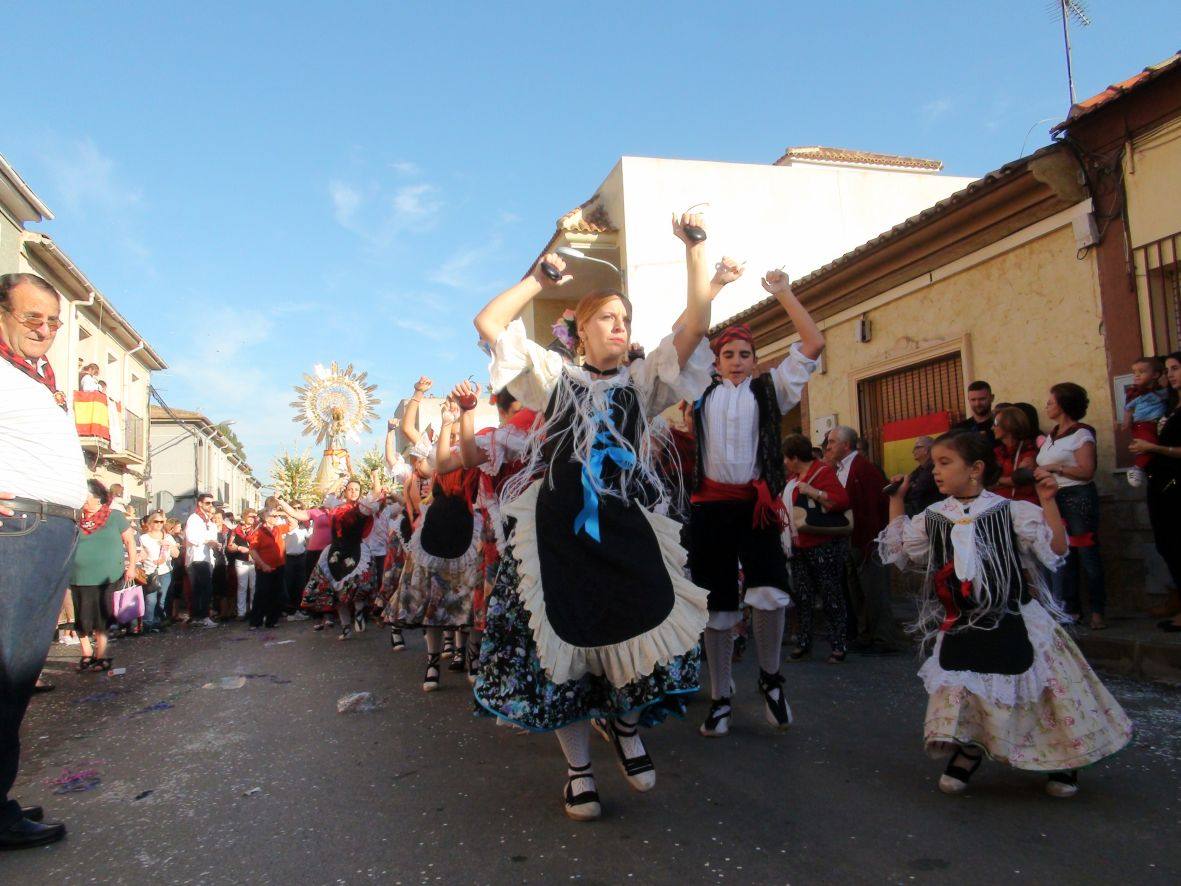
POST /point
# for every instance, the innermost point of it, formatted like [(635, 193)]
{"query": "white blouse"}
[(157, 553), (904, 542), (531, 372), (1060, 452), (731, 419)]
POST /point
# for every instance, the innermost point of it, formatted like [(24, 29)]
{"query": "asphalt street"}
[(219, 757)]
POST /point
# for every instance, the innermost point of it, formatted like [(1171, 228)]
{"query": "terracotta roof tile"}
[(847, 155), (1115, 90), (589, 218)]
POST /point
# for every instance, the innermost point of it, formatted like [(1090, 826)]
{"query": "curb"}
[(1138, 659)]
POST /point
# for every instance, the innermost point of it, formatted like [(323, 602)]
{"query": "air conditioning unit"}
[(864, 329)]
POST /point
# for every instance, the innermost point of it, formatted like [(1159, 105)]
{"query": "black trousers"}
[(201, 586), (268, 598), (295, 577), (35, 554), (721, 537), (1164, 513)]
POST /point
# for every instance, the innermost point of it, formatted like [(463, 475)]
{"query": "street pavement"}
[(267, 783)]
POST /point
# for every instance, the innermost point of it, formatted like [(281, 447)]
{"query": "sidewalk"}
[(1133, 646)]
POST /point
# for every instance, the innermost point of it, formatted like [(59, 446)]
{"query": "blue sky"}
[(262, 186)]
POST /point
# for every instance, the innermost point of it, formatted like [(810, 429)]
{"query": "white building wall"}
[(800, 216)]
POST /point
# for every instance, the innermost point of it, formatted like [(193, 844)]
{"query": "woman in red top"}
[(1016, 448), (817, 561)]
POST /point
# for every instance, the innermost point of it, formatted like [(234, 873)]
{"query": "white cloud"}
[(346, 201), (434, 331), (414, 202), (460, 270), (405, 167), (85, 179), (934, 109)]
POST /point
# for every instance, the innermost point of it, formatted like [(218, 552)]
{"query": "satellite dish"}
[(165, 501)]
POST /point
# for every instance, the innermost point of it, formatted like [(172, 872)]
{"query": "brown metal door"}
[(934, 386)]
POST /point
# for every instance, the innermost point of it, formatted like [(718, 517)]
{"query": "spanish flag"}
[(898, 440), (92, 414)]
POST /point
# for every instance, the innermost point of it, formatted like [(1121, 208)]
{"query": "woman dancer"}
[(444, 559), (1004, 677), (343, 580), (592, 615)]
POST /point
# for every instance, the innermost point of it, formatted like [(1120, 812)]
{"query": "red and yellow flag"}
[(898, 440), (92, 414)]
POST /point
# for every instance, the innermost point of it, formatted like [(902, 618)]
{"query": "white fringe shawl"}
[(621, 663)]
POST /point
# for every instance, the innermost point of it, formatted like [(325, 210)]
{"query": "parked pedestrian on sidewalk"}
[(42, 489), (238, 550), (1164, 482), (157, 551), (266, 550), (200, 546), (295, 570), (104, 562), (1068, 453)]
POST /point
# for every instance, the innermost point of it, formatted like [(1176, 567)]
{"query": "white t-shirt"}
[(40, 456), (198, 533), (89, 384), (1061, 452), (156, 552), (296, 540)]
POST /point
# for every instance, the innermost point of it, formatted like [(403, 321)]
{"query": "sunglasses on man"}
[(33, 321)]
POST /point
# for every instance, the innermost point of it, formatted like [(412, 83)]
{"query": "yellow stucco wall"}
[(1153, 185), (1031, 316)]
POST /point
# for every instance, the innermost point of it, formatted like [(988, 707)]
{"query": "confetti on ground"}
[(253, 792), (75, 782), (116, 672), (356, 703), (100, 697), (278, 643), (226, 683), (143, 794), (152, 708)]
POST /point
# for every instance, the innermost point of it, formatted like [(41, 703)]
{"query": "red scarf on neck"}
[(96, 521), (45, 376)]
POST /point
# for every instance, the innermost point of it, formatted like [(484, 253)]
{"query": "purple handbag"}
[(129, 604)]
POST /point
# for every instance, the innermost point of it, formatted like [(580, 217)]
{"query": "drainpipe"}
[(143, 430), (72, 346)]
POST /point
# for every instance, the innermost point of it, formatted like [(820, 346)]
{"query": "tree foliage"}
[(294, 476)]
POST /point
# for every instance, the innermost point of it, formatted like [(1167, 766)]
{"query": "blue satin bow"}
[(602, 449)]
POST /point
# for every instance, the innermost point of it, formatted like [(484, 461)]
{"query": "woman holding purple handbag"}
[(104, 561)]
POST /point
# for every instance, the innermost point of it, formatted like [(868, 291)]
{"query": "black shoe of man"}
[(26, 834), (33, 813)]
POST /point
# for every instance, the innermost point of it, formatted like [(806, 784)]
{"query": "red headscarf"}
[(737, 332)]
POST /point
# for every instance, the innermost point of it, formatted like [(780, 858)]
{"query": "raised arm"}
[(467, 395), (296, 515), (410, 416), (446, 459), (694, 322), (502, 310), (391, 442), (811, 338)]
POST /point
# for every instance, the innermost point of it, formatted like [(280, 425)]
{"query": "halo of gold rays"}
[(332, 390)]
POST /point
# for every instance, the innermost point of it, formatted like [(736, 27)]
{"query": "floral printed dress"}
[(1003, 674), (592, 614)]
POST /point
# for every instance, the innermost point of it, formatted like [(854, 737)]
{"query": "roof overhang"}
[(988, 210), (18, 198), (44, 248)]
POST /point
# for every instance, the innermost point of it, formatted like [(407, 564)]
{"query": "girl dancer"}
[(443, 567), (343, 579), (1004, 677), (592, 615), (736, 513)]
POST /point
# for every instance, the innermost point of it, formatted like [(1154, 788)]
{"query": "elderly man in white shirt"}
[(42, 488), (200, 545), (736, 515)]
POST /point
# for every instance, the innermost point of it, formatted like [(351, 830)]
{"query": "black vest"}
[(769, 455)]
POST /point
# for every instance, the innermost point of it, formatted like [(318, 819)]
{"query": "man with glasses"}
[(201, 544), (922, 491), (42, 488)]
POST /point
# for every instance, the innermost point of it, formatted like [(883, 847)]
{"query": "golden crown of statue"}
[(335, 403)]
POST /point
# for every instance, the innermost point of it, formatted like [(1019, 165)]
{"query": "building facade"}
[(808, 207), (190, 456), (1040, 272), (113, 427)]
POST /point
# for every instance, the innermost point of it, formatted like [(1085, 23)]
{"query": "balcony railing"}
[(95, 417)]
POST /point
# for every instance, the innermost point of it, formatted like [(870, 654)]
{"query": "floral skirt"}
[(1057, 716), (513, 684), (488, 567), (324, 594), (436, 596), (391, 575)]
